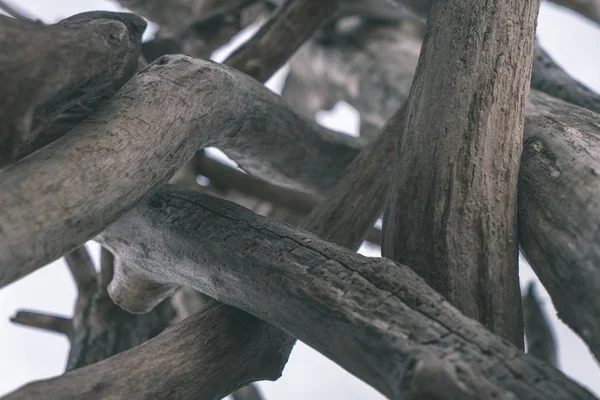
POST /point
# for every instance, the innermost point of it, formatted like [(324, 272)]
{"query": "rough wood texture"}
[(190, 356), (403, 335), (356, 201), (538, 333), (549, 78), (294, 22), (451, 210), (550, 126), (137, 141), (559, 199), (60, 69)]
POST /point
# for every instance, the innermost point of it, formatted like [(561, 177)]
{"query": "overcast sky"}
[(28, 354)]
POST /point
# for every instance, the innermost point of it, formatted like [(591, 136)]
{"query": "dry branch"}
[(65, 68), (572, 276), (559, 203), (189, 352), (69, 191), (294, 22), (52, 323), (540, 340), (82, 268), (451, 211), (402, 334)]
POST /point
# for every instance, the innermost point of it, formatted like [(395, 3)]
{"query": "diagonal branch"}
[(294, 22), (148, 129), (233, 255), (540, 340)]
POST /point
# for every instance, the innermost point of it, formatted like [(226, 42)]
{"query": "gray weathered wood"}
[(538, 333), (451, 210), (69, 191), (185, 362), (559, 203), (294, 22), (551, 126), (390, 328), (60, 69)]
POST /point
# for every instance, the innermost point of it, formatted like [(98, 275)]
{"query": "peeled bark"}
[(67, 192), (540, 340), (451, 210)]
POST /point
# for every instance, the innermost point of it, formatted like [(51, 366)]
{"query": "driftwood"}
[(63, 75), (399, 330), (538, 333), (459, 160), (559, 199), (552, 125), (165, 119)]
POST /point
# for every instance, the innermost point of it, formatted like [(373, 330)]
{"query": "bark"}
[(571, 274), (559, 199), (549, 78), (294, 22), (406, 340), (540, 340), (190, 356), (451, 210), (147, 131), (65, 68)]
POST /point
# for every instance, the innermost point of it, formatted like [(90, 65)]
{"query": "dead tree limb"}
[(70, 65), (414, 336), (190, 352), (559, 199), (294, 22), (460, 159), (588, 8), (147, 131), (52, 323), (540, 340), (573, 277)]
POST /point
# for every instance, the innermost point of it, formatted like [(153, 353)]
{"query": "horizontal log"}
[(67, 192), (62, 69)]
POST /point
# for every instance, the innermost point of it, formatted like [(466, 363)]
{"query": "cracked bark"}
[(291, 279), (459, 160)]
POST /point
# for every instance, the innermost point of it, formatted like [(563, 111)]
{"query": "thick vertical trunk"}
[(451, 212)]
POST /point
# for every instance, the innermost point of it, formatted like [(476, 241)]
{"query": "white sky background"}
[(29, 354)]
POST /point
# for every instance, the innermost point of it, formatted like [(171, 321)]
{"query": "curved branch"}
[(184, 362), (69, 191), (559, 203)]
